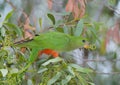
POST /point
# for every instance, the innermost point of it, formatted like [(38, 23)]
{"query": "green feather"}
[(55, 41)]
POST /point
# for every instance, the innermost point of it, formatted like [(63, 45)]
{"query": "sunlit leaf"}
[(81, 69), (79, 28), (66, 29), (9, 15), (14, 70), (54, 79), (29, 82), (3, 31), (42, 70), (4, 72), (66, 80), (70, 70), (58, 59), (91, 83), (51, 17), (3, 52), (15, 28)]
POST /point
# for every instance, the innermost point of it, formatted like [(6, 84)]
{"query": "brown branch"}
[(100, 60), (11, 4)]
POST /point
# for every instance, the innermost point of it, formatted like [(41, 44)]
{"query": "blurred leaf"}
[(42, 70), (4, 72), (82, 80), (15, 28), (94, 33), (9, 15), (3, 31), (51, 17), (70, 70), (0, 15), (66, 31), (66, 80), (59, 29), (54, 79), (14, 70), (79, 28), (33, 55), (91, 83), (40, 22), (58, 59), (3, 52), (29, 82), (80, 69)]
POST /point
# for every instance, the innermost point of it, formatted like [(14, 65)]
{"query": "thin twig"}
[(100, 60)]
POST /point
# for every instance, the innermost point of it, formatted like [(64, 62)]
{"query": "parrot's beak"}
[(86, 46)]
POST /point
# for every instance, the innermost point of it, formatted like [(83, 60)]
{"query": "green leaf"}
[(0, 15), (9, 15), (4, 72), (91, 83), (51, 17), (66, 30), (94, 33), (66, 80), (58, 59), (54, 79), (59, 29), (81, 69), (82, 80), (3, 31), (3, 52), (15, 28), (14, 70), (70, 70), (42, 70), (29, 82), (40, 22), (79, 28)]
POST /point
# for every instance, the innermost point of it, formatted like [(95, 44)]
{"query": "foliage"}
[(17, 67)]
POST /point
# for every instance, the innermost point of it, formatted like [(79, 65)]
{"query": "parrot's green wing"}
[(53, 40)]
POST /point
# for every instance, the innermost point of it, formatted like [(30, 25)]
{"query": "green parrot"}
[(57, 41)]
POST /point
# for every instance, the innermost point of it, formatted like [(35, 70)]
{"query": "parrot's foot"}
[(48, 52)]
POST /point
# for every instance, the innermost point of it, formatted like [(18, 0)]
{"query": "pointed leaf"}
[(51, 17), (66, 31), (79, 28), (4, 72), (15, 28), (66, 80), (3, 31), (81, 69), (9, 15), (58, 59), (54, 79), (42, 70)]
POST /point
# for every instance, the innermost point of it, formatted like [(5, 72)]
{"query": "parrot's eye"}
[(83, 41)]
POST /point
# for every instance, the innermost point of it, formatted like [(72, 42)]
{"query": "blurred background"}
[(105, 14)]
